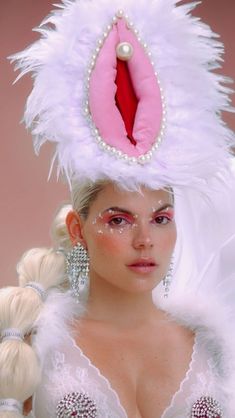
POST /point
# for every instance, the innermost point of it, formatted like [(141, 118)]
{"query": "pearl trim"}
[(112, 151)]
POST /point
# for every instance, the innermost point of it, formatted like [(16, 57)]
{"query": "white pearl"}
[(124, 51), (120, 14), (141, 159), (130, 25)]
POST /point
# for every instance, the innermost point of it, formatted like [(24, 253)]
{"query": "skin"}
[(122, 325)]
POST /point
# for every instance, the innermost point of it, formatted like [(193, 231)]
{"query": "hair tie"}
[(11, 405), (38, 288), (11, 334)]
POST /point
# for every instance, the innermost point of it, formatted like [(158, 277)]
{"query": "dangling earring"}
[(77, 268), (167, 279)]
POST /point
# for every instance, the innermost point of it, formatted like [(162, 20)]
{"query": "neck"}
[(110, 304)]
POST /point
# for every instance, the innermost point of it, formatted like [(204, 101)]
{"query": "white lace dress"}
[(68, 370)]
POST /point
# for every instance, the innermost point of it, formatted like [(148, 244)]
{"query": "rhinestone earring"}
[(167, 280), (77, 268)]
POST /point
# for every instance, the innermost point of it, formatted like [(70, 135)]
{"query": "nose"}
[(142, 237)]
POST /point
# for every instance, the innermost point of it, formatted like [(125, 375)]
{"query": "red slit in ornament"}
[(126, 99)]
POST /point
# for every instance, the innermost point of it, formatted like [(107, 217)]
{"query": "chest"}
[(108, 378), (144, 370)]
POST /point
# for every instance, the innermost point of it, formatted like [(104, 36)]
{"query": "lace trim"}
[(101, 376), (185, 379)]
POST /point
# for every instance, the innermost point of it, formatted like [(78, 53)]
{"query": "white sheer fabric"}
[(68, 370)]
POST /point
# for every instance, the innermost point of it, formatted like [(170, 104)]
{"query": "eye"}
[(162, 219), (118, 221)]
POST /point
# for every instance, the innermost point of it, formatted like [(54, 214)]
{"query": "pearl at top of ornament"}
[(124, 51)]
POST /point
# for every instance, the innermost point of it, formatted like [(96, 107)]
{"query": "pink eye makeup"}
[(115, 220), (120, 220)]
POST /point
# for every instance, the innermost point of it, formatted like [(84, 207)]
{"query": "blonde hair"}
[(20, 369)]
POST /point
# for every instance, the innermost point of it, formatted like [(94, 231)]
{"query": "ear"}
[(74, 226)]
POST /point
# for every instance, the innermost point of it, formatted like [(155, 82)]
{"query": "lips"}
[(143, 262), (143, 266)]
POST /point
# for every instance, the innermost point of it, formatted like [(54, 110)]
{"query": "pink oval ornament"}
[(102, 90)]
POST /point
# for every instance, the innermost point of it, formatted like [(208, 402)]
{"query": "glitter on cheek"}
[(100, 231), (134, 225)]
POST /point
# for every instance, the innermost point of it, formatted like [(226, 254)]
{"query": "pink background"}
[(28, 201)]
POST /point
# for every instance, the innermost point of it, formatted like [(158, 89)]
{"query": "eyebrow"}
[(123, 210)]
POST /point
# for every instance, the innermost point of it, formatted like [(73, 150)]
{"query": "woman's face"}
[(130, 237)]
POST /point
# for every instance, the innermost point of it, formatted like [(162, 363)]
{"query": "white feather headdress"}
[(184, 53)]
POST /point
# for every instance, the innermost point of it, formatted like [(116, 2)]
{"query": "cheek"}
[(109, 244), (167, 241)]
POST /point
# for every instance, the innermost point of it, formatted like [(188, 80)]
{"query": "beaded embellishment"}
[(77, 405), (206, 407)]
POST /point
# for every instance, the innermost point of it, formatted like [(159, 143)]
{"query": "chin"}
[(142, 284)]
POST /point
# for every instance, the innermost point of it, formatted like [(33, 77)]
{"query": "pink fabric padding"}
[(104, 111)]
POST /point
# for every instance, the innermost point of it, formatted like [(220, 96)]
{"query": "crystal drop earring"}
[(77, 268), (167, 279)]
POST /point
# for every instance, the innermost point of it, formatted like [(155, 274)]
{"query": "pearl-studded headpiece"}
[(123, 91)]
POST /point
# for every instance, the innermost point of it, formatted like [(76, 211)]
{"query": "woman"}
[(143, 158)]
